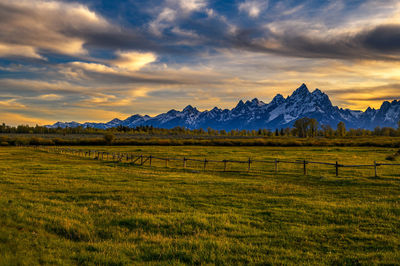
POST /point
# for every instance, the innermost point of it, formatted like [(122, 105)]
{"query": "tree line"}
[(302, 128)]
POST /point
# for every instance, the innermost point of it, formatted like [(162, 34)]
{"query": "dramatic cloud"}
[(33, 26), (380, 43), (92, 60)]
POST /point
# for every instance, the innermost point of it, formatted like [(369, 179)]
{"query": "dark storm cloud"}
[(379, 43), (384, 38), (88, 53), (58, 31)]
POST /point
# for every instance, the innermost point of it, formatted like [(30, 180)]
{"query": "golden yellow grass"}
[(60, 209)]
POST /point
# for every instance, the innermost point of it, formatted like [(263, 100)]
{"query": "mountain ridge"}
[(281, 112)]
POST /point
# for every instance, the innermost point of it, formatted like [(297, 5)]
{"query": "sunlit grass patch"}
[(61, 209)]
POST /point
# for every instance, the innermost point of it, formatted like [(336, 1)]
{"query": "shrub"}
[(109, 138), (391, 158), (40, 141), (21, 141), (394, 156)]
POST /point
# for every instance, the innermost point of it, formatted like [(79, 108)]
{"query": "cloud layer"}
[(89, 60)]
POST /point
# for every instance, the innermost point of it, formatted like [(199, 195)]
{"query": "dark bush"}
[(391, 158), (109, 138)]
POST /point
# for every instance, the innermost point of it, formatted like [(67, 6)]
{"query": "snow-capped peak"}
[(240, 104), (278, 99), (255, 114), (302, 90), (189, 108)]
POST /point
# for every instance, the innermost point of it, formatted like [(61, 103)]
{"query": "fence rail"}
[(149, 160)]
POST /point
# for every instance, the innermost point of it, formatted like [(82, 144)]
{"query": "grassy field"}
[(122, 139), (60, 209)]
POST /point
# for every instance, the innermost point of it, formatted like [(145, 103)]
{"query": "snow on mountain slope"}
[(279, 113)]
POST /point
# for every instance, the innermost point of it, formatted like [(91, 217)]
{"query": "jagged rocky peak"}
[(254, 114), (302, 90), (278, 99), (390, 104), (369, 109), (240, 104), (115, 120), (385, 105), (321, 96), (189, 109), (253, 103), (318, 92), (257, 102)]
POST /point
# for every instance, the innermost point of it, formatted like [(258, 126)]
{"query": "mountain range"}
[(281, 112)]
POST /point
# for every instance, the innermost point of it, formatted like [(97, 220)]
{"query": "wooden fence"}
[(247, 164)]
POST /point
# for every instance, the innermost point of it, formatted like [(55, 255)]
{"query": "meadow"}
[(63, 209), (126, 139)]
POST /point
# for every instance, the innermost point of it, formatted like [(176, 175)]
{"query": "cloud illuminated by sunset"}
[(95, 60)]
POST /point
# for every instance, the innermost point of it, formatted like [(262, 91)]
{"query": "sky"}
[(95, 60)]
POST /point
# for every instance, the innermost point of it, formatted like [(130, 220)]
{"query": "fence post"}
[(249, 165), (224, 165), (305, 167), (375, 166), (150, 159), (141, 159), (337, 168), (184, 162), (205, 163)]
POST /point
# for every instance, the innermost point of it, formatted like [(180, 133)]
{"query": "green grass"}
[(60, 209)]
